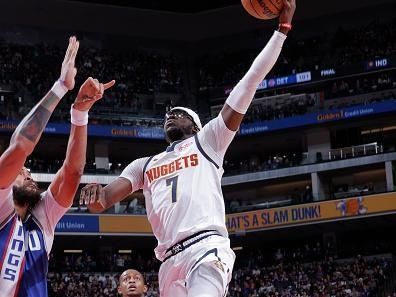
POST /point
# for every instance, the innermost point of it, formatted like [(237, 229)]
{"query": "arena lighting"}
[(73, 251), (237, 248), (125, 251)]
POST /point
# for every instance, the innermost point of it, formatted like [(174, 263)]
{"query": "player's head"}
[(26, 193), (181, 123), (132, 283)]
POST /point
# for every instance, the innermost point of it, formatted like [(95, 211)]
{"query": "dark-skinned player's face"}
[(178, 124), (132, 284)]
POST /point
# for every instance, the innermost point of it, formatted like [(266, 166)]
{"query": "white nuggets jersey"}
[(182, 186), (25, 246)]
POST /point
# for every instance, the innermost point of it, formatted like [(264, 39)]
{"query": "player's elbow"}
[(75, 171)]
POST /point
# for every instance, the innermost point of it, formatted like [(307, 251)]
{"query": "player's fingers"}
[(91, 82), (101, 89), (87, 195), (99, 94), (93, 194), (96, 84), (74, 52), (67, 54), (97, 97), (101, 197), (72, 46), (82, 195), (109, 84)]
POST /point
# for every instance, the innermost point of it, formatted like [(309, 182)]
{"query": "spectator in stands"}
[(307, 195), (131, 206), (132, 283)]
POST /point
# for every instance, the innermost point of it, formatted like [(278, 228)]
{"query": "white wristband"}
[(78, 117), (59, 89)]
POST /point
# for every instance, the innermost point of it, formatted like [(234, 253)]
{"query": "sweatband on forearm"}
[(78, 118), (59, 89)]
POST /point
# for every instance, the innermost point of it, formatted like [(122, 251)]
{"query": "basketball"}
[(263, 9)]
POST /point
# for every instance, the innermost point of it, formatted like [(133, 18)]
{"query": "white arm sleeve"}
[(6, 203), (134, 173), (242, 95), (217, 136)]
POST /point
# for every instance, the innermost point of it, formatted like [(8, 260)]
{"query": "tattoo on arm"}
[(34, 125), (50, 101)]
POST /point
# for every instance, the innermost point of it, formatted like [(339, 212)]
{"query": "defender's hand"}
[(69, 71), (90, 92)]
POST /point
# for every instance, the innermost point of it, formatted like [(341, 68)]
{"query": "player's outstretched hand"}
[(92, 194), (90, 92), (289, 7), (68, 70)]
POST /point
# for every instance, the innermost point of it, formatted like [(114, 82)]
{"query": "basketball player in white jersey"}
[(27, 216), (182, 186)]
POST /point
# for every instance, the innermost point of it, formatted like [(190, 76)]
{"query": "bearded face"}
[(27, 194)]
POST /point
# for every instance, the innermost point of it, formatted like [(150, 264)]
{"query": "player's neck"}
[(184, 137), (21, 211)]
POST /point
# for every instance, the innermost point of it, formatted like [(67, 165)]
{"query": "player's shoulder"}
[(138, 165), (46, 198)]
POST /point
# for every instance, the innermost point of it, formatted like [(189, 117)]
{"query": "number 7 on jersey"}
[(173, 182)]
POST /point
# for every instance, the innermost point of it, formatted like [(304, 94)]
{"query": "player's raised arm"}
[(240, 98), (67, 179), (28, 132)]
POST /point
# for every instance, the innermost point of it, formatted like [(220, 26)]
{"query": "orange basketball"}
[(263, 9)]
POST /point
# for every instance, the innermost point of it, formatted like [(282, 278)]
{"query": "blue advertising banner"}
[(377, 64), (78, 223), (279, 81), (318, 117), (257, 127), (95, 130), (321, 74)]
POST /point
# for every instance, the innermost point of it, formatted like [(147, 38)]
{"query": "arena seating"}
[(307, 270)]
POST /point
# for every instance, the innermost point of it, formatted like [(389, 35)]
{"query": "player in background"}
[(182, 186), (27, 215), (132, 284)]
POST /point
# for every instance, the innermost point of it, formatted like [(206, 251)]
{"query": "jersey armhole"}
[(199, 146), (146, 164)]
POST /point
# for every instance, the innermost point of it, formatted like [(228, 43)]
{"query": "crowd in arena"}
[(345, 47), (141, 72), (136, 72), (309, 269)]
